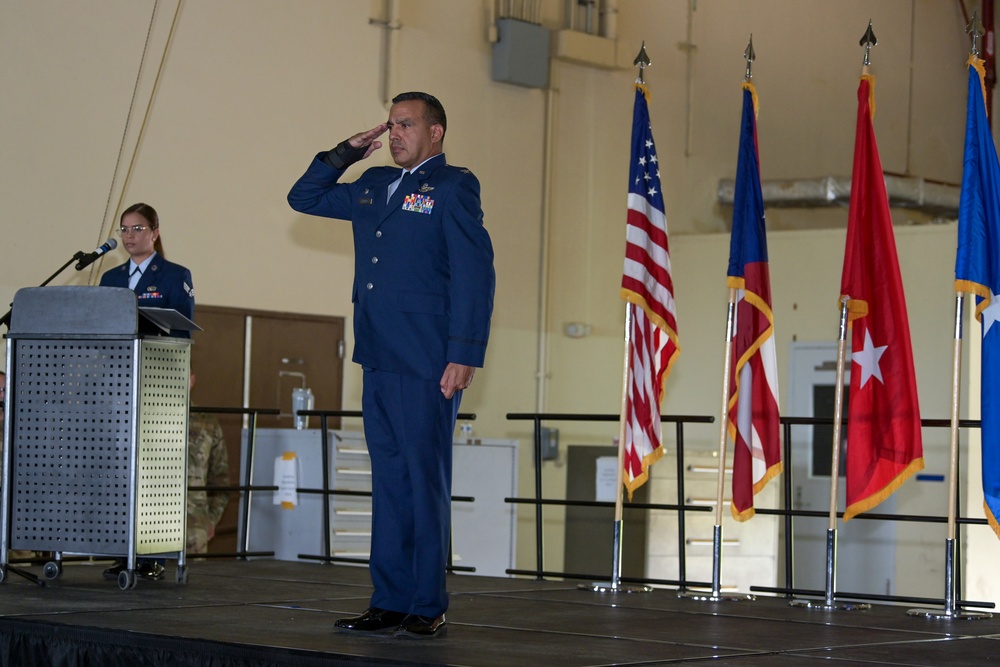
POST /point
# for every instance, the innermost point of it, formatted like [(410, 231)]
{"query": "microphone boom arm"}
[(79, 256)]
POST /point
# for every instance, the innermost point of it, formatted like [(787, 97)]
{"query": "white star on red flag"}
[(868, 358)]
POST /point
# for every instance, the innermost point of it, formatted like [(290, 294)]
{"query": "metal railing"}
[(789, 589), (248, 488), (246, 475), (682, 507)]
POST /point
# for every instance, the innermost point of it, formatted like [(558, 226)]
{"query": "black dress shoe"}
[(113, 571), (149, 569), (422, 627), (372, 620), (146, 569)]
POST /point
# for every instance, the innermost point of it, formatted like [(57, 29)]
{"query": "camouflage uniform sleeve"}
[(218, 473)]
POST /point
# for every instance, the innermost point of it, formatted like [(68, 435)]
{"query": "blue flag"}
[(977, 270)]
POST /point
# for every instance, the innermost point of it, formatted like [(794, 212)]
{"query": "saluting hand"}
[(362, 139)]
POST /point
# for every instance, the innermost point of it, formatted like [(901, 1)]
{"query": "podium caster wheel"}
[(182, 574), (52, 570), (127, 579)]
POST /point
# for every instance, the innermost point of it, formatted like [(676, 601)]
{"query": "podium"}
[(95, 429)]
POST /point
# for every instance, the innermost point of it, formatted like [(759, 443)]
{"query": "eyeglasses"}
[(136, 229)]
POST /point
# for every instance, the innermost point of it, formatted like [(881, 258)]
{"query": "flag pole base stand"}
[(823, 605), (950, 612), (608, 587), (711, 596), (944, 615)]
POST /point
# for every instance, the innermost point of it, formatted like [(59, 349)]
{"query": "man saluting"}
[(423, 297)]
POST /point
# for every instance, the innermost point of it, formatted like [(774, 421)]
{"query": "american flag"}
[(649, 289), (753, 388)]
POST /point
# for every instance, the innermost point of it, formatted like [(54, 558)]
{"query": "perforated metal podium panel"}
[(161, 503), (85, 413)]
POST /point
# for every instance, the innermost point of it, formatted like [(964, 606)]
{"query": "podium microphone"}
[(91, 257)]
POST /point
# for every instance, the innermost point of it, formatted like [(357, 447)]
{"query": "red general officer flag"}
[(884, 446)]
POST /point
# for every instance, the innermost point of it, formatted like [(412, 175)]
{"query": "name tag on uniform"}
[(365, 201), (418, 203)]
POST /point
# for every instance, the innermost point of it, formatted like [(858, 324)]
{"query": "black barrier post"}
[(789, 520), (681, 512)]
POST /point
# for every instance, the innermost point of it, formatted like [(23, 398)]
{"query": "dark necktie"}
[(406, 185)]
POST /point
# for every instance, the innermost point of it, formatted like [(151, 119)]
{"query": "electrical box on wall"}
[(550, 443), (521, 54)]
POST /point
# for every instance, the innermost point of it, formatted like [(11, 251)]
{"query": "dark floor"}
[(279, 613)]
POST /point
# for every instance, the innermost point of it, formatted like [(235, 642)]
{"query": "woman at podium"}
[(156, 282)]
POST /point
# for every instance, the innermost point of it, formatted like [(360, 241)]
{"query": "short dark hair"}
[(433, 109), (146, 211)]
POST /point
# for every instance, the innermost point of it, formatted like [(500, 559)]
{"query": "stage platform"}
[(264, 612)]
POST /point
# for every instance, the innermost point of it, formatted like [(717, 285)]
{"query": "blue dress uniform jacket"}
[(410, 316), (162, 285)]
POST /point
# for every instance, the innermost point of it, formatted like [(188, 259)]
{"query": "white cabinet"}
[(483, 531)]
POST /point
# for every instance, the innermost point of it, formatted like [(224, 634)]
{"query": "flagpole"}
[(727, 368), (951, 608), (831, 532), (616, 544), (727, 365), (868, 40), (642, 60), (716, 594)]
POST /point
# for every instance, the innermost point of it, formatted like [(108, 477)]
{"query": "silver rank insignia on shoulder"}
[(189, 290), (465, 171), (426, 188)]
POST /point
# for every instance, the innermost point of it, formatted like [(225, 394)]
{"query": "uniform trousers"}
[(409, 428)]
